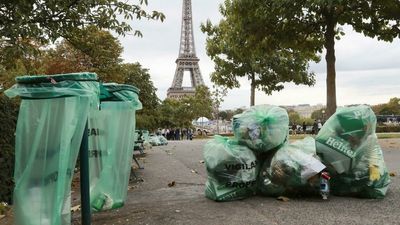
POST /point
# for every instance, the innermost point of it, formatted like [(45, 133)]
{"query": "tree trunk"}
[(252, 90), (330, 66)]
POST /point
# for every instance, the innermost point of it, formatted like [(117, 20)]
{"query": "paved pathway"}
[(153, 202)]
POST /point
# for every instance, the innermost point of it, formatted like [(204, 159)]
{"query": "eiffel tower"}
[(187, 59)]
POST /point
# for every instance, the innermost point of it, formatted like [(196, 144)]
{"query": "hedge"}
[(387, 129), (8, 119)]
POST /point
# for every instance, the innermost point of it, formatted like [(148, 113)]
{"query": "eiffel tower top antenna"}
[(187, 59), (187, 47)]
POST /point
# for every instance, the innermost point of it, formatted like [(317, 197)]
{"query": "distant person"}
[(177, 134), (294, 128), (189, 134), (304, 127), (315, 127), (163, 132), (319, 125)]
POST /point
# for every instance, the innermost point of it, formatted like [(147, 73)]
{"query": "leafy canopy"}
[(244, 45), (315, 24), (48, 20)]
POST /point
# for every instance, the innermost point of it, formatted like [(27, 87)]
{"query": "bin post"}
[(84, 178)]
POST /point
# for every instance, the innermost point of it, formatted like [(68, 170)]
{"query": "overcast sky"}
[(368, 71)]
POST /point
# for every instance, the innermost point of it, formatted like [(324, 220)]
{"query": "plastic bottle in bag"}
[(324, 185)]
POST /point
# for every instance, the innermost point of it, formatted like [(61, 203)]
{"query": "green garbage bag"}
[(163, 140), (293, 169), (154, 140), (262, 128), (348, 146), (232, 170), (51, 123), (111, 146)]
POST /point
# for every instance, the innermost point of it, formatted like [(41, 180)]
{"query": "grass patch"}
[(3, 208), (388, 135)]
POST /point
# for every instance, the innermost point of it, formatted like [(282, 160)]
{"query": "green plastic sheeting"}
[(291, 170), (111, 143), (348, 146), (262, 128), (51, 122), (122, 92), (54, 86), (232, 170)]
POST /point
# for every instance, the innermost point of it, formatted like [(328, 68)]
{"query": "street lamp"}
[(323, 115)]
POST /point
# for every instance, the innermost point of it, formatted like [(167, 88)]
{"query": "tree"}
[(240, 47), (226, 114), (201, 103), (8, 119), (149, 116), (390, 108), (181, 113), (46, 21), (320, 21), (217, 95), (26, 26), (175, 113), (294, 117), (90, 50), (319, 114)]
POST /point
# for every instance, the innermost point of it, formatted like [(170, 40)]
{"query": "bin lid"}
[(120, 92), (56, 78), (55, 86), (113, 87)]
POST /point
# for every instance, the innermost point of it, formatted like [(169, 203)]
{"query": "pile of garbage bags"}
[(157, 140), (345, 156)]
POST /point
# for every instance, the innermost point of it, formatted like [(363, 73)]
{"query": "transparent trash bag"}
[(232, 170), (111, 143), (51, 123), (348, 146), (262, 128), (291, 170)]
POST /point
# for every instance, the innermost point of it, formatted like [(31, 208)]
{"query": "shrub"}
[(8, 119), (387, 129)]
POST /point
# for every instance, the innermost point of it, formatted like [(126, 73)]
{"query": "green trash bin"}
[(50, 127), (111, 144)]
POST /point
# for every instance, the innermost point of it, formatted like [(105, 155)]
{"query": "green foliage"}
[(308, 121), (226, 114), (181, 113), (319, 114), (49, 20), (201, 103), (217, 95), (134, 74), (390, 108), (89, 49), (294, 117), (387, 129), (169, 110), (8, 119), (313, 25), (244, 44)]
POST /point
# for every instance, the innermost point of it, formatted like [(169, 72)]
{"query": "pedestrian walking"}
[(294, 128), (319, 125), (315, 127)]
